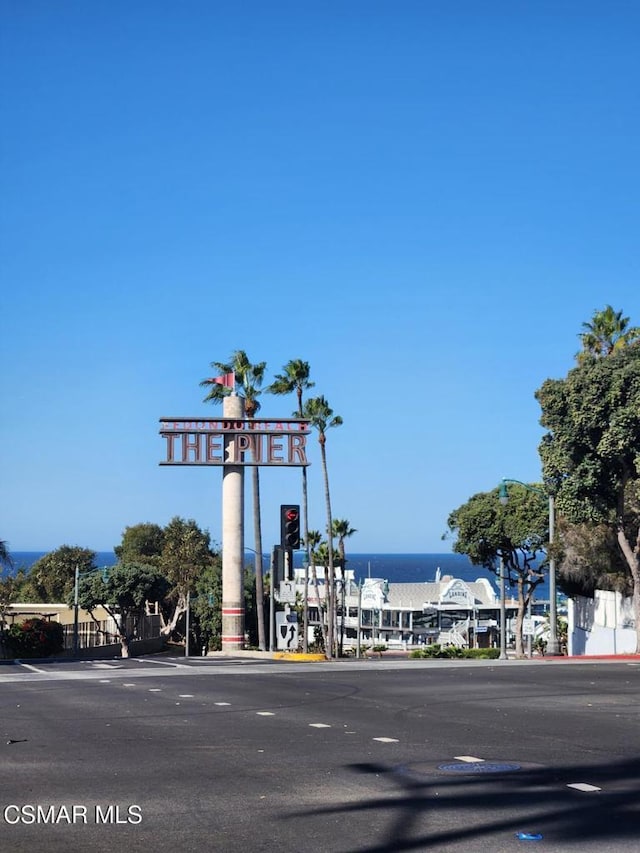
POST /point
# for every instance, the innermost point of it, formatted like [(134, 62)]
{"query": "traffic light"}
[(290, 526)]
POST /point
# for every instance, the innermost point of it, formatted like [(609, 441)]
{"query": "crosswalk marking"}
[(583, 786)]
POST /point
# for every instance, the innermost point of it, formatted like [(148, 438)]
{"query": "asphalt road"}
[(373, 756)]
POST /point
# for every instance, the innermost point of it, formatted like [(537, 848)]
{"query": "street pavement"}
[(345, 756)]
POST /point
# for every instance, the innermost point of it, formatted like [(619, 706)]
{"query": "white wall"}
[(603, 625)]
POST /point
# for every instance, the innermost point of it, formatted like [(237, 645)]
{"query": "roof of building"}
[(415, 595)]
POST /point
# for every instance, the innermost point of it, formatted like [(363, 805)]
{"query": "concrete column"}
[(232, 537)]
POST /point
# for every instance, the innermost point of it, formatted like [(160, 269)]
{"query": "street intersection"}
[(238, 754)]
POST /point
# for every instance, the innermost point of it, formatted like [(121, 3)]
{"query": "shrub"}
[(436, 651), (35, 638)]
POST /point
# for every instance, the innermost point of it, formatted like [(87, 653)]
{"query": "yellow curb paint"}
[(293, 656)]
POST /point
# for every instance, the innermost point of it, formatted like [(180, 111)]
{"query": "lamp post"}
[(305, 606), (503, 614), (358, 641), (552, 647)]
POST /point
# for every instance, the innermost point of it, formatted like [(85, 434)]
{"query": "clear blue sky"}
[(424, 200)]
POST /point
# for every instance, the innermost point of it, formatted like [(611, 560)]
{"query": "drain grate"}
[(479, 767)]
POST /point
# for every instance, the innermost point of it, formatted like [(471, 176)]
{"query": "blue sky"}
[(424, 200)]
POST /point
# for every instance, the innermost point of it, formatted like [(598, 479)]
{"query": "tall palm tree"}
[(295, 378), (341, 530), (320, 414), (249, 378), (607, 332)]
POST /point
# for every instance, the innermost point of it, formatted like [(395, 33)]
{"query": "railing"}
[(452, 638), (104, 632)]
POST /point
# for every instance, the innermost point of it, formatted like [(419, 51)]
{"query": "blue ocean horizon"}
[(394, 568)]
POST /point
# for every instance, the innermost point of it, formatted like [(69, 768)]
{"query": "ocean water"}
[(395, 568)]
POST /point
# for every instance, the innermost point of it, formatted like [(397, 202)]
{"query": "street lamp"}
[(552, 647), (503, 613)]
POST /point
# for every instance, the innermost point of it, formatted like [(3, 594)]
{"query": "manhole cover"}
[(478, 767)]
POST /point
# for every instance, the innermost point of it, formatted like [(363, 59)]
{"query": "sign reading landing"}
[(251, 441)]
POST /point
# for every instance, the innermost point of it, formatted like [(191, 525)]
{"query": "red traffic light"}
[(290, 526)]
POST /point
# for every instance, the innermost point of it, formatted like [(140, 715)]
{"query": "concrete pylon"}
[(232, 536)]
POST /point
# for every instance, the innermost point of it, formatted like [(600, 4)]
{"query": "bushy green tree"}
[(517, 533), (591, 451), (141, 543), (186, 554), (123, 591), (206, 610), (52, 577)]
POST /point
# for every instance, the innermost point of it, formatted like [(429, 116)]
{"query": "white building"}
[(399, 615)]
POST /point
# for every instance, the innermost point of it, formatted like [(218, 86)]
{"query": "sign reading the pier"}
[(250, 441)]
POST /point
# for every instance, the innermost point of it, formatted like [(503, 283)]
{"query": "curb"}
[(298, 656)]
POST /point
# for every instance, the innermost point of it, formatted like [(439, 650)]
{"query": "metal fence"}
[(105, 632)]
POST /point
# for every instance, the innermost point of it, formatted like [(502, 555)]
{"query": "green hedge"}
[(453, 652)]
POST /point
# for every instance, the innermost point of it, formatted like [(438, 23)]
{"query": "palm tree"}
[(320, 415), (5, 556), (313, 543), (249, 378), (608, 332), (295, 377), (341, 530)]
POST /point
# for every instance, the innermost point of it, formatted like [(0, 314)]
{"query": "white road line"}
[(128, 684), (161, 663), (582, 786), (469, 759), (222, 703), (265, 713), (32, 667), (155, 690), (319, 725), (185, 695), (386, 739)]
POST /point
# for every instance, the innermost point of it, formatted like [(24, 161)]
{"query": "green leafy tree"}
[(249, 378), (186, 554), (295, 379), (141, 543), (591, 452), (318, 412), (607, 333), (206, 607), (52, 577), (123, 592), (588, 558), (516, 534)]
